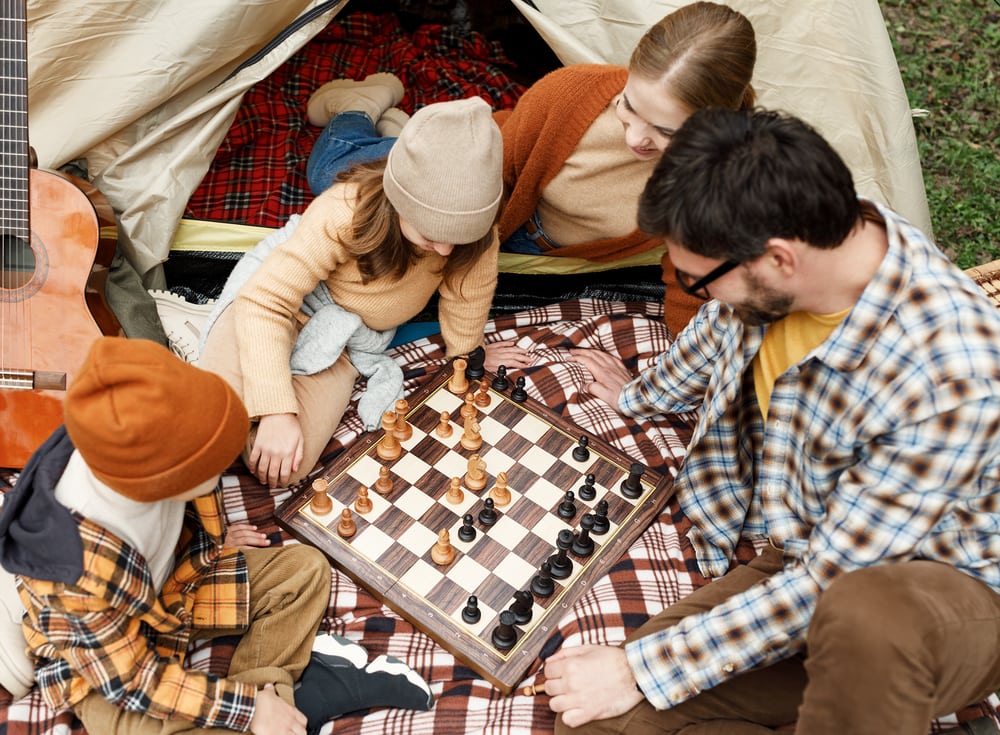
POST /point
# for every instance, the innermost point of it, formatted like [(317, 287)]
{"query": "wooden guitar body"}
[(52, 305)]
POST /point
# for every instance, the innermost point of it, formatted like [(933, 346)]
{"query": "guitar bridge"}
[(32, 380)]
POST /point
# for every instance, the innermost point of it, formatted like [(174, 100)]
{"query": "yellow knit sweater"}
[(268, 305)]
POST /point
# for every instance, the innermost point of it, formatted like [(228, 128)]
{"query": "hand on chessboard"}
[(609, 373), (244, 536), (277, 449), (508, 354), (589, 683)]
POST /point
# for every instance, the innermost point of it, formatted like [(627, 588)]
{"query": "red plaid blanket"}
[(258, 176)]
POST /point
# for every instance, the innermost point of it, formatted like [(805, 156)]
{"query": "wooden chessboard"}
[(390, 552)]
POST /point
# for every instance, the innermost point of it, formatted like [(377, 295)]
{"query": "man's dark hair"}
[(732, 179)]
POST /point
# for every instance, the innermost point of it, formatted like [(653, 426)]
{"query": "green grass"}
[(949, 59)]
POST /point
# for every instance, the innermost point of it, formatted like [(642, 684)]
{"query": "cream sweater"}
[(267, 306)]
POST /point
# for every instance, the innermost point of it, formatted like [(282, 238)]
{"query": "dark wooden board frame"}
[(503, 669)]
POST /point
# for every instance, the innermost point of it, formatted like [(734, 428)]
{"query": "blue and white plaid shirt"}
[(881, 445)]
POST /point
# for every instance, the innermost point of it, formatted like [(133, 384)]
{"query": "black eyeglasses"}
[(698, 288)]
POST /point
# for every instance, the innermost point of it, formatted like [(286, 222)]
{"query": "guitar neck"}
[(14, 151)]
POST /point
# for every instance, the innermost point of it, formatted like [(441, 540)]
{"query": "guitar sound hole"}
[(17, 262)]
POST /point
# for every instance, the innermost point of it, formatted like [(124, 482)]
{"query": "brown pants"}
[(322, 397), (890, 648), (289, 595)]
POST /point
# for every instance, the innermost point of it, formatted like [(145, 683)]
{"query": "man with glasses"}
[(848, 382)]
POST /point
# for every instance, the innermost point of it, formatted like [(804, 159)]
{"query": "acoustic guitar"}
[(57, 239)]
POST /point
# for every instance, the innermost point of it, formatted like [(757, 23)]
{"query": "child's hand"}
[(277, 449), (508, 354), (274, 716), (244, 536)]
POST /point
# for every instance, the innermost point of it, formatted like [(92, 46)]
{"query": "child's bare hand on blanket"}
[(274, 716), (609, 373), (508, 354), (277, 449), (244, 535), (589, 683)]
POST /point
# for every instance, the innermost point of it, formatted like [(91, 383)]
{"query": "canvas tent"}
[(145, 90)]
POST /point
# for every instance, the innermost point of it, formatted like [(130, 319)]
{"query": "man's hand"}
[(508, 354), (277, 449), (589, 683), (274, 716), (244, 536), (610, 374)]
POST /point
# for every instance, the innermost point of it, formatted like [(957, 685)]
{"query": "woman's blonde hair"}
[(375, 237), (705, 52)]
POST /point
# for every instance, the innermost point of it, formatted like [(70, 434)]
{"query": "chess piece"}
[(567, 508), (580, 451), (455, 494), (469, 407), (346, 527), (389, 447), (504, 636), (443, 553), (467, 532), (320, 503), (583, 544), (402, 430), (587, 491), (601, 523), (500, 382), (383, 485), (471, 612), (363, 504), (458, 383), (483, 396), (560, 565), (475, 477), (488, 515), (444, 428), (476, 365), (542, 584), (631, 486), (500, 492), (519, 394), (521, 607), (471, 438)]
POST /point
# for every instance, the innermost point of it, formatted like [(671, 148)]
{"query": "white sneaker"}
[(182, 321)]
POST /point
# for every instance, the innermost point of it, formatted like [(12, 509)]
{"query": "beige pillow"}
[(17, 673)]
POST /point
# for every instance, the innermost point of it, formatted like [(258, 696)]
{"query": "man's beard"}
[(766, 307)]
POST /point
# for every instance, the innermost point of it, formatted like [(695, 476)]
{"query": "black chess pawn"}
[(475, 364), (631, 486), (504, 636), (583, 545), (567, 508), (467, 532), (488, 515), (500, 382), (560, 564), (519, 394), (580, 451), (471, 612), (521, 607), (601, 523), (587, 491), (542, 584)]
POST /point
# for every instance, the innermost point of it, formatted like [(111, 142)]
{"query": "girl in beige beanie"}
[(377, 245)]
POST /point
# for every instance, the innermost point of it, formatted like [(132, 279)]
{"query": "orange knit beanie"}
[(148, 424)]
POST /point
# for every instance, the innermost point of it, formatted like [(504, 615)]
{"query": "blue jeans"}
[(349, 138), (524, 242)]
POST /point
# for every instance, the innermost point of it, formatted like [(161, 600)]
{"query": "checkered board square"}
[(390, 550)]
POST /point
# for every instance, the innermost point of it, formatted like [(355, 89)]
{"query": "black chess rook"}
[(504, 636)]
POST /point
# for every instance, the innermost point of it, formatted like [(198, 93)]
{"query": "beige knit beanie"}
[(444, 172)]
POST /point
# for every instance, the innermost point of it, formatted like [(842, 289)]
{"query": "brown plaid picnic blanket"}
[(656, 571)]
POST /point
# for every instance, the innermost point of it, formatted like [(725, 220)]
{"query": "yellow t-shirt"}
[(787, 341)]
